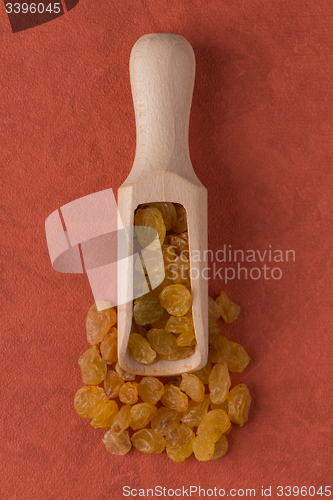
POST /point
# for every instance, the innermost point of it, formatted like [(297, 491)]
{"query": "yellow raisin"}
[(179, 443), (180, 271), (88, 400), (141, 349), (148, 441), (181, 224), (174, 398), (122, 420), (128, 393), (162, 322), (193, 387), (203, 373), (195, 412), (168, 212), (166, 282), (176, 299), (179, 324), (149, 217), (141, 415), (221, 448), (239, 400), (150, 390), (98, 323), (219, 349), (219, 383), (103, 418), (213, 311), (117, 444), (179, 243), (213, 330), (147, 309), (186, 339), (108, 347), (238, 358), (93, 369), (221, 406), (161, 341), (213, 425), (228, 309), (179, 353), (112, 384), (123, 374), (203, 450), (165, 420)]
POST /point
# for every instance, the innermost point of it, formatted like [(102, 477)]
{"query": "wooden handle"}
[(162, 69)]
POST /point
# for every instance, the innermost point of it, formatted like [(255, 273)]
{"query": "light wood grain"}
[(162, 68)]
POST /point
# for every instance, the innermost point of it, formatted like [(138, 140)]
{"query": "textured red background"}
[(260, 140)]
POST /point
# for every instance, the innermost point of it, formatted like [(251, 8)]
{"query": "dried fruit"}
[(122, 420), (161, 341), (148, 441), (238, 358), (180, 271), (186, 339), (141, 415), (219, 383), (149, 217), (221, 406), (105, 414), (124, 374), (166, 282), (150, 390), (168, 212), (213, 330), (176, 299), (193, 387), (179, 324), (213, 425), (93, 369), (219, 349), (174, 398), (181, 224), (221, 448), (203, 373), (147, 309), (88, 400), (179, 443), (213, 311), (141, 349), (98, 323), (165, 420), (128, 393), (112, 384), (179, 242), (195, 412), (162, 322), (108, 347), (228, 309), (203, 450), (180, 353), (117, 444), (239, 400)]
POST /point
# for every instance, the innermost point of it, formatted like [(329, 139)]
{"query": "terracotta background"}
[(261, 141)]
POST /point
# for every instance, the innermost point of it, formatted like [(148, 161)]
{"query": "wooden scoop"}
[(162, 68)]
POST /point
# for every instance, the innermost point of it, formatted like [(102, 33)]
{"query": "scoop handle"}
[(162, 69)]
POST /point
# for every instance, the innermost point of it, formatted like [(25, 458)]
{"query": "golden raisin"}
[(195, 412), (179, 353), (186, 339), (124, 375), (239, 400), (203, 373), (150, 390), (117, 444), (128, 393), (179, 324), (213, 311), (141, 349), (181, 224), (213, 425), (149, 217), (122, 420), (221, 448), (112, 384), (219, 383), (165, 420), (179, 443), (88, 400), (219, 349), (238, 358), (228, 309), (174, 398), (203, 450), (98, 323), (108, 347), (93, 369), (161, 341), (176, 299), (162, 322), (104, 416), (193, 387), (141, 415), (180, 271), (147, 309), (179, 243), (168, 212), (148, 441)]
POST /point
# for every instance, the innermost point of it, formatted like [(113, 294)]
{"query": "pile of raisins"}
[(182, 415), (162, 319)]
